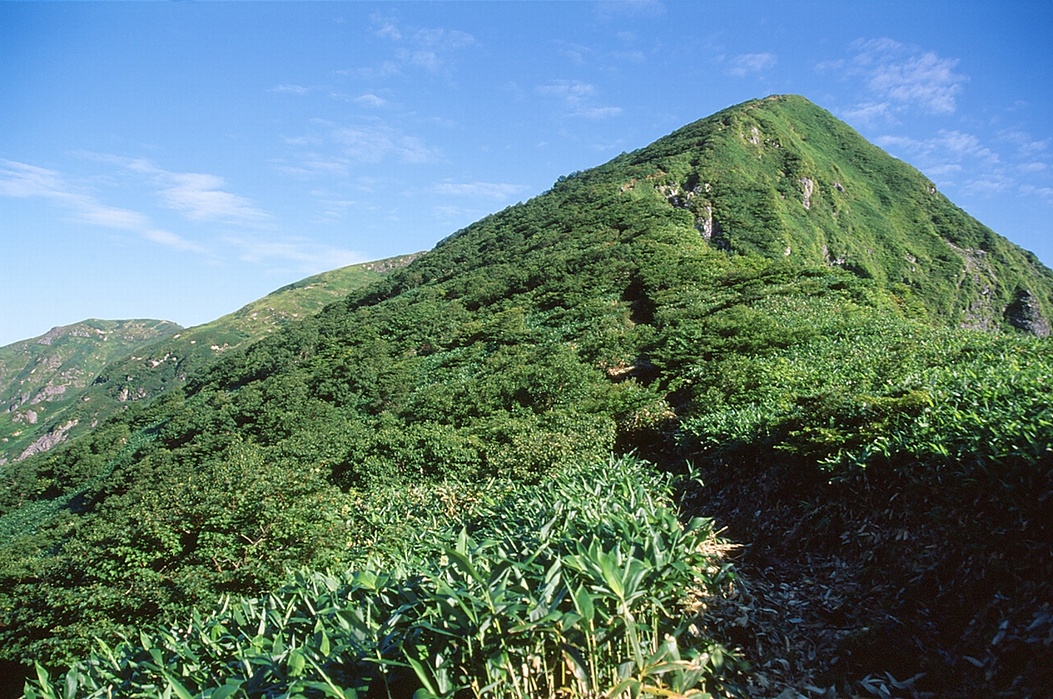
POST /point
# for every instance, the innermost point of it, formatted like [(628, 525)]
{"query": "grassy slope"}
[(748, 170), (596, 317), (41, 378), (98, 378)]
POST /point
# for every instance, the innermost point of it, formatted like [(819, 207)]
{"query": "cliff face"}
[(1024, 313)]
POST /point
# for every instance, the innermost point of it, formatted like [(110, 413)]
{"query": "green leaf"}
[(177, 686), (583, 603), (296, 662), (227, 690)]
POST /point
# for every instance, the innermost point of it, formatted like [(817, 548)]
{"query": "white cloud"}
[(371, 100), (171, 240), (577, 53), (573, 92), (487, 190), (112, 217), (948, 146), (197, 196), (599, 112), (443, 39), (577, 97), (289, 89), (373, 143), (306, 257), (955, 159), (749, 63), (382, 71), (22, 180), (335, 149), (926, 80), (1026, 146), (1040, 192), (200, 197), (428, 48), (868, 113), (385, 28), (899, 78)]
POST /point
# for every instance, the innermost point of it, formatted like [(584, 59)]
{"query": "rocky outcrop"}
[(1024, 314), (808, 186), (54, 436)]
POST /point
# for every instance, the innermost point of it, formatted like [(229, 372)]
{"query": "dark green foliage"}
[(75, 377)]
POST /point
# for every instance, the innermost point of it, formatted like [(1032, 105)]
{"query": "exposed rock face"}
[(808, 186), (1024, 313), (54, 436)]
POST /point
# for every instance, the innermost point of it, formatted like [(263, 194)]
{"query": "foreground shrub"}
[(583, 586)]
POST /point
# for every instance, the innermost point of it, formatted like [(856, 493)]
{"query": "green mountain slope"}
[(779, 177), (613, 313), (79, 388), (41, 377)]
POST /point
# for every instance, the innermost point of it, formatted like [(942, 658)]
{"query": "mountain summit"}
[(762, 294), (781, 177)]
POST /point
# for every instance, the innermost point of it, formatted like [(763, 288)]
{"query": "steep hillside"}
[(780, 177), (42, 377), (80, 388), (697, 301)]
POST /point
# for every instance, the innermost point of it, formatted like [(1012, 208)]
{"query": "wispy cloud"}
[(578, 98), (201, 197), (482, 190), (1045, 193), (1025, 145), (898, 78), (429, 49), (956, 159), (25, 181), (371, 100), (197, 196), (947, 147), (341, 150), (386, 28), (750, 63), (963, 161), (372, 143), (286, 89), (171, 240), (301, 255)]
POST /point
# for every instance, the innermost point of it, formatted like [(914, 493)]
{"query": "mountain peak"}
[(781, 177)]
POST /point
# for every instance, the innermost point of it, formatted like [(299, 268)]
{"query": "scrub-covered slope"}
[(61, 384)]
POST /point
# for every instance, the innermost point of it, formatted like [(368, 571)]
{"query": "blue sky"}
[(177, 160)]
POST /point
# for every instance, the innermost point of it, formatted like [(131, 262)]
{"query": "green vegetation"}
[(695, 301), (42, 377), (76, 376), (585, 585)]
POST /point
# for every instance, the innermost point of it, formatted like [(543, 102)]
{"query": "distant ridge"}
[(55, 386)]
